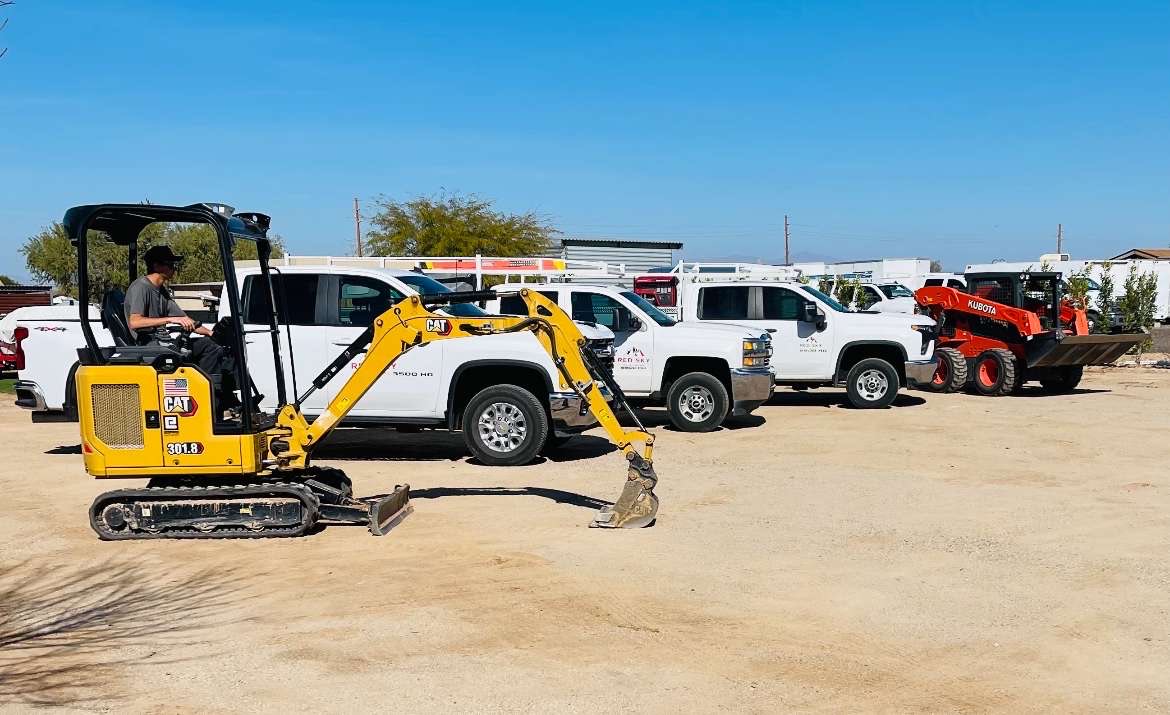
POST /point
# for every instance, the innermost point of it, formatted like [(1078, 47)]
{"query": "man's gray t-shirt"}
[(150, 301)]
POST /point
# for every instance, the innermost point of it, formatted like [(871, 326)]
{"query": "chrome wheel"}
[(502, 427), (872, 384), (696, 403)]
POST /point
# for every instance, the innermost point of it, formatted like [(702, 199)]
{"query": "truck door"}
[(633, 348), (409, 388), (799, 351), (297, 300)]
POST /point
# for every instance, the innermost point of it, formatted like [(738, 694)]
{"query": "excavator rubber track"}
[(247, 511)]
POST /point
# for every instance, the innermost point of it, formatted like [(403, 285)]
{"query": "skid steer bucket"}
[(1083, 350), (637, 505)]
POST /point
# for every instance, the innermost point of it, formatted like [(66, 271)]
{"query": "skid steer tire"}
[(951, 375), (697, 402), (872, 384), (505, 426), (1066, 381), (995, 373)]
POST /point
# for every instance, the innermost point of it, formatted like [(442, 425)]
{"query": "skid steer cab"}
[(1007, 329), (216, 465)]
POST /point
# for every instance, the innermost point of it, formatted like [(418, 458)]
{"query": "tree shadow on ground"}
[(67, 633)]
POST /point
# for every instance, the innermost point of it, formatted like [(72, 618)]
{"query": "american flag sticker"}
[(175, 388)]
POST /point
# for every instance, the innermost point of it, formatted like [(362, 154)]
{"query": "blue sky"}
[(961, 131)]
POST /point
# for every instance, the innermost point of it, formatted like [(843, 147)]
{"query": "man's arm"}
[(179, 316)]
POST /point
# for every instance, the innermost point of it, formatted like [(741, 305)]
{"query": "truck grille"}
[(603, 349), (117, 416)]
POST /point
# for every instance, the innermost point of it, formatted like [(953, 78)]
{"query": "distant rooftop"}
[(1144, 254), (615, 243)]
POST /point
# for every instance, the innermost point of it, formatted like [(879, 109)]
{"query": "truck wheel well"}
[(855, 353), (469, 380), (676, 367)]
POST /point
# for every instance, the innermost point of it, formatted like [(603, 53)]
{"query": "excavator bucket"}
[(1084, 350), (386, 512), (637, 505)]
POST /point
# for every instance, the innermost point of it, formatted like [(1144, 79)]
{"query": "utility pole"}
[(1059, 237), (786, 261), (357, 226)]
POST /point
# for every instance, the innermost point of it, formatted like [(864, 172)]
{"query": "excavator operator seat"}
[(114, 317)]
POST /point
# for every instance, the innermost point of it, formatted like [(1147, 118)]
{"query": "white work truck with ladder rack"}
[(817, 342)]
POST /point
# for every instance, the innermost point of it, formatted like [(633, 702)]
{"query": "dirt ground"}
[(954, 553)]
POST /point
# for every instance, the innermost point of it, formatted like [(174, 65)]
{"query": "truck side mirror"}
[(809, 312), (621, 320)]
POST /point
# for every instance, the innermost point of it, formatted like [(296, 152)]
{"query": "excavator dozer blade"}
[(386, 512), (1085, 350), (637, 505)]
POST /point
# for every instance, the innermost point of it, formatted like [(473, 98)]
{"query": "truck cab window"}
[(362, 299), (596, 308), (781, 304), (723, 303), (298, 289)]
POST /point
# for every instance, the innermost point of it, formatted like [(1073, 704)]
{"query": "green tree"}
[(1078, 288), (935, 267), (1138, 300), (454, 226), (51, 258), (1106, 302), (846, 290), (6, 281)]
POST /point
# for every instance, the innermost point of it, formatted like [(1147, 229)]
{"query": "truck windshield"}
[(895, 290), (426, 285), (648, 308), (825, 299)]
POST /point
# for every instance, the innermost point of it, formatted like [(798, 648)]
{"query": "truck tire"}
[(995, 373), (505, 426), (871, 384), (697, 402), (951, 375), (1066, 381)]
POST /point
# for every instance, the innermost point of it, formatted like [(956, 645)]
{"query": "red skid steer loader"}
[(1012, 328)]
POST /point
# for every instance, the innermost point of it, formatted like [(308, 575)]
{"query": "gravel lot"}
[(954, 553)]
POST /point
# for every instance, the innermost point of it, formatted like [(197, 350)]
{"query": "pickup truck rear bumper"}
[(750, 388), (920, 372), (566, 409), (29, 396)]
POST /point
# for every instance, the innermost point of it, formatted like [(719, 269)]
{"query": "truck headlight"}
[(756, 352)]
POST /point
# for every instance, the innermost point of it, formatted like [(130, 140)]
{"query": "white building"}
[(876, 269)]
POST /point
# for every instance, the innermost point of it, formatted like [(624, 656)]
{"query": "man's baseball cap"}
[(160, 254)]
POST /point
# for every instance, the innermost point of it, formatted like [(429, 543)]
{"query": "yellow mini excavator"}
[(148, 411)]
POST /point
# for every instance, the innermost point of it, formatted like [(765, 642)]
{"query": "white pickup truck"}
[(702, 373), (816, 341), (450, 384)]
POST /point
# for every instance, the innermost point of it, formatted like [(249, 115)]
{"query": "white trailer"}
[(1119, 270)]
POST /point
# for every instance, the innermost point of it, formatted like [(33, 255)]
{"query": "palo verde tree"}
[(51, 258), (454, 225)]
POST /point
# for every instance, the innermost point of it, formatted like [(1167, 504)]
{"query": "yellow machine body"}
[(137, 422)]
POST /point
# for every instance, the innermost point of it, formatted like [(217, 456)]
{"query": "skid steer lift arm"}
[(410, 324)]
